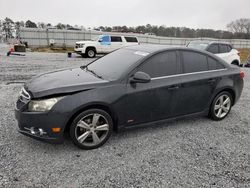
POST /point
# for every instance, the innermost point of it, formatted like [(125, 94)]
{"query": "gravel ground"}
[(193, 152)]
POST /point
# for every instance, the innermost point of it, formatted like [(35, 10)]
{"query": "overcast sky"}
[(214, 14)]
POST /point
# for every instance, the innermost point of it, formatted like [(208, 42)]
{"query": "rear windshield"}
[(114, 65), (198, 45)]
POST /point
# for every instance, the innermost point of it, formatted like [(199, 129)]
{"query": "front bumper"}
[(38, 125), (79, 50)]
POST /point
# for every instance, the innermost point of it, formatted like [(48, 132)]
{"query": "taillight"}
[(242, 74)]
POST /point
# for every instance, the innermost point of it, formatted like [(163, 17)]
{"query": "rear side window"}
[(194, 62), (213, 48), (224, 48), (214, 64), (131, 39), (116, 39), (162, 64)]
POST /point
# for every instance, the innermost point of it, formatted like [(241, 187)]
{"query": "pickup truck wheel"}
[(91, 52)]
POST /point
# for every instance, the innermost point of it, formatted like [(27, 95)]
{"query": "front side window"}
[(162, 64), (116, 39), (198, 45), (213, 48), (194, 62), (223, 48)]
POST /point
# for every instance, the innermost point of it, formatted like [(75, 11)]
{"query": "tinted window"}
[(194, 62), (162, 64), (116, 39), (115, 64), (131, 39), (213, 48), (229, 48), (198, 45), (223, 48), (214, 64)]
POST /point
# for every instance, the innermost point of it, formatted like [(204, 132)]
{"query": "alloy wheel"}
[(92, 129), (222, 106)]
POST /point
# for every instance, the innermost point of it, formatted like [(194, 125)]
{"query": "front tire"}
[(90, 52), (91, 129), (221, 106)]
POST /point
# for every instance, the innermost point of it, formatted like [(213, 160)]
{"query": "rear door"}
[(198, 83), (116, 42)]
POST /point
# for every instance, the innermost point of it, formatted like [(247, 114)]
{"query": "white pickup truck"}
[(104, 44)]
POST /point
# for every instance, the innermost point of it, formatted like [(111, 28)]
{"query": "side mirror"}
[(140, 77), (100, 40)]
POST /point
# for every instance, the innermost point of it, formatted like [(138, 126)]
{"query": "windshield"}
[(114, 65), (198, 45)]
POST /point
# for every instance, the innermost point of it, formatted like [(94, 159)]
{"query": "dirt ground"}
[(196, 152)]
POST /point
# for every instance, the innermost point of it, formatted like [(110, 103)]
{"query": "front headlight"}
[(42, 105)]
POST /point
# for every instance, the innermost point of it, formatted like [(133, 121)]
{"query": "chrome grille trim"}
[(24, 94)]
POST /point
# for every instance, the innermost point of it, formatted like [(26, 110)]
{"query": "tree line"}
[(236, 29)]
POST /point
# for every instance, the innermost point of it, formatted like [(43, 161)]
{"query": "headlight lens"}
[(42, 105)]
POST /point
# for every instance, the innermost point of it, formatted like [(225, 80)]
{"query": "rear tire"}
[(91, 129), (221, 106)]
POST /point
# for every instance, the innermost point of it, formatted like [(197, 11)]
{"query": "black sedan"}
[(132, 86)]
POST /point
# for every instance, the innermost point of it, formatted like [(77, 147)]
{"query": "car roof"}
[(151, 48), (210, 42)]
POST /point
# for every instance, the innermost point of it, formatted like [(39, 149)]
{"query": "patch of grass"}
[(244, 54)]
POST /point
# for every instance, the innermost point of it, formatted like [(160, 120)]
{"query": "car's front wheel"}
[(90, 52), (91, 129), (221, 106)]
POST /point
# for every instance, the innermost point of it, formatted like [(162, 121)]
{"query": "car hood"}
[(62, 82)]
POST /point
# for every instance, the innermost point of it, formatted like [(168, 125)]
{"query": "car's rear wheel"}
[(91, 52), (221, 106), (91, 129)]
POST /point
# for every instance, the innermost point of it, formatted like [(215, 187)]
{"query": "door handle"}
[(173, 87)]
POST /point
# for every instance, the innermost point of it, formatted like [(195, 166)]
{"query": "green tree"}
[(8, 28), (30, 24)]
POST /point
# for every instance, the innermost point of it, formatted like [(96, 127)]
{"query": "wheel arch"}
[(235, 62), (100, 106), (229, 90), (90, 47)]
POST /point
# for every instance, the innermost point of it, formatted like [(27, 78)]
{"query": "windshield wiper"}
[(93, 72)]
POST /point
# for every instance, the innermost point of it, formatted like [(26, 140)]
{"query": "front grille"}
[(24, 95), (24, 98), (77, 45)]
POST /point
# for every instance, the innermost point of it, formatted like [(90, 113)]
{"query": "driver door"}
[(104, 44), (147, 102)]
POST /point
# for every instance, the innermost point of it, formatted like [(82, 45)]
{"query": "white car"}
[(104, 44), (221, 49)]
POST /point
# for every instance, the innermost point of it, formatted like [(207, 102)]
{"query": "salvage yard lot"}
[(195, 152)]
